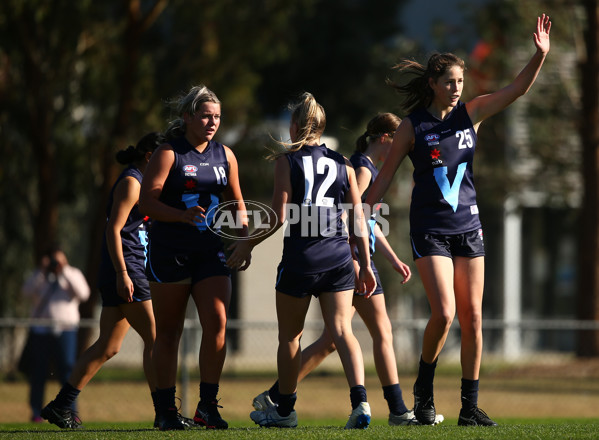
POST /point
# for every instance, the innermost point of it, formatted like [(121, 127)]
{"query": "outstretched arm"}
[(484, 106), (241, 250), (403, 142)]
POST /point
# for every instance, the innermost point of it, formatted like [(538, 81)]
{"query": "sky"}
[(421, 19)]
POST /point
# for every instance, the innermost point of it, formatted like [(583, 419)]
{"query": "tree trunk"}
[(137, 24), (588, 295), (39, 106)]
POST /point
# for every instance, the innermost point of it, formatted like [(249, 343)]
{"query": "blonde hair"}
[(311, 120), (188, 103)]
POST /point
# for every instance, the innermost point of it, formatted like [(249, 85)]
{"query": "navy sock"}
[(469, 393), (165, 398), (208, 392), (67, 396), (286, 404), (426, 375), (357, 395), (394, 398), (274, 393)]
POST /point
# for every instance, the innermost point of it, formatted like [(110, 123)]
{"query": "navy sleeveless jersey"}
[(359, 160), (133, 238), (316, 239), (196, 179), (443, 197)]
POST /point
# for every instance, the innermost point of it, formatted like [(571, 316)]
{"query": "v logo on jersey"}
[(191, 200), (451, 193)]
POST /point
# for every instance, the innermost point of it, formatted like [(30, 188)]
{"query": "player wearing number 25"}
[(439, 136), (183, 183)]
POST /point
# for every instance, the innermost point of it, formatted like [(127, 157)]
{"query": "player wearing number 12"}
[(318, 180), (439, 136), (182, 185)]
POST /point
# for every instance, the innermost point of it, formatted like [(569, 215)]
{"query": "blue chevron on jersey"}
[(443, 197)]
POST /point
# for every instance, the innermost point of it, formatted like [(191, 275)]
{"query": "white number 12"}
[(321, 164)]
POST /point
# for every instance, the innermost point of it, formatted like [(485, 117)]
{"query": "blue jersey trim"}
[(151, 268), (279, 277), (414, 248)]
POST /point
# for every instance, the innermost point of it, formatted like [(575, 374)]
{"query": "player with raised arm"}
[(439, 136)]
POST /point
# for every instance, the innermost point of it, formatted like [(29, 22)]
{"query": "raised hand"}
[(541, 36)]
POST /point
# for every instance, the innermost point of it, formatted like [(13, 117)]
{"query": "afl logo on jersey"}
[(432, 139), (190, 170)]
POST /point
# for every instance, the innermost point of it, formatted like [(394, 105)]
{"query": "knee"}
[(288, 339), (110, 352), (218, 328), (384, 337), (471, 322), (168, 336), (149, 344), (326, 343), (217, 322), (331, 348), (442, 321), (383, 332)]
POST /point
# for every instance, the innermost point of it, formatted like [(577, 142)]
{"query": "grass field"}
[(570, 429), (529, 402)]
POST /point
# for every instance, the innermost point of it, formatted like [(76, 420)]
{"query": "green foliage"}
[(535, 138), (79, 81)]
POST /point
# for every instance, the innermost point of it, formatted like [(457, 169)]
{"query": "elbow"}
[(143, 205)]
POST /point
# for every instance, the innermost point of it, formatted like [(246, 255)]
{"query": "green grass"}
[(570, 429)]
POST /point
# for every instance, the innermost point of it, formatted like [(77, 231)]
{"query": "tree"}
[(127, 70), (38, 59), (588, 295), (79, 81)]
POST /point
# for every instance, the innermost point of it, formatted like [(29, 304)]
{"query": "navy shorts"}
[(299, 284), (166, 266), (468, 244), (110, 297)]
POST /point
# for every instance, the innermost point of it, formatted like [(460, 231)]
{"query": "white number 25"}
[(465, 139)]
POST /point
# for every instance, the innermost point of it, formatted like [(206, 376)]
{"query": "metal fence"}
[(252, 344), (252, 347)]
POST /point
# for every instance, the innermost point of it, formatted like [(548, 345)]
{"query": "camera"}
[(53, 265)]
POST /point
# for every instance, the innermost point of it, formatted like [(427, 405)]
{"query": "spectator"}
[(56, 289)]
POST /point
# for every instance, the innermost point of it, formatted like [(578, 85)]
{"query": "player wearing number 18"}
[(439, 136), (182, 185)]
